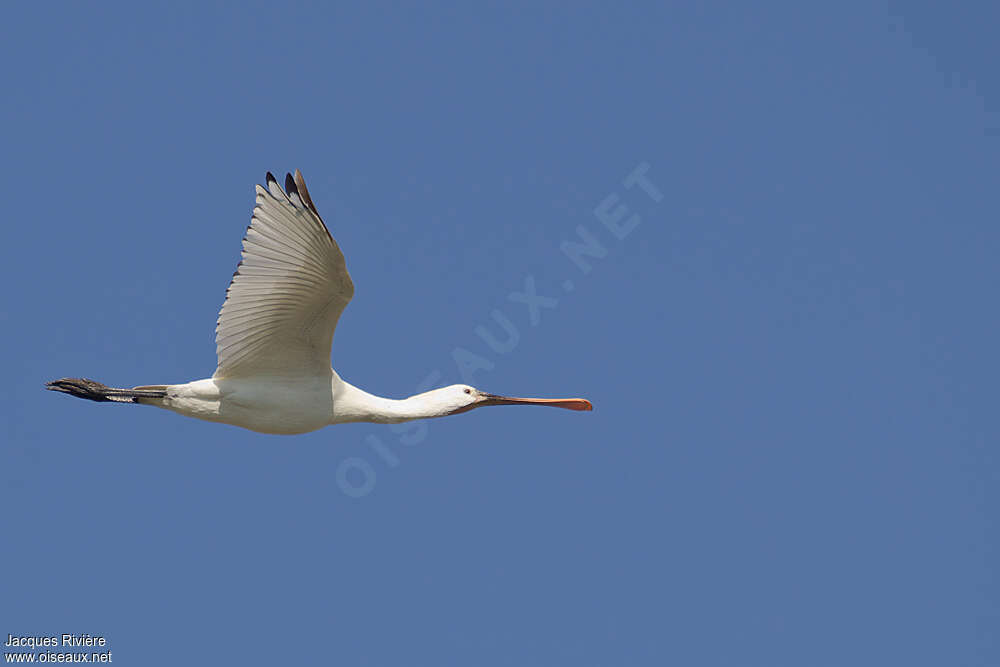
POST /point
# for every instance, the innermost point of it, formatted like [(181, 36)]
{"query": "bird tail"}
[(95, 391)]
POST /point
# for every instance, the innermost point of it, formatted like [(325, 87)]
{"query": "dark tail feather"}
[(95, 391)]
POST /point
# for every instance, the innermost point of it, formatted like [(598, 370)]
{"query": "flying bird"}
[(274, 334)]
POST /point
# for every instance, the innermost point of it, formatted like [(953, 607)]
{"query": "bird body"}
[(274, 334), (267, 405), (290, 406)]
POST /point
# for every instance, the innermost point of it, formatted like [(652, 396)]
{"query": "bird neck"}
[(351, 404)]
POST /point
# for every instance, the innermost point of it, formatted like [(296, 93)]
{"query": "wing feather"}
[(288, 291)]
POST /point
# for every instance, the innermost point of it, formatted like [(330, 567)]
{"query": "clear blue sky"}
[(792, 356)]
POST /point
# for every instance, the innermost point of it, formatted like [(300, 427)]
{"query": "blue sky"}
[(791, 353)]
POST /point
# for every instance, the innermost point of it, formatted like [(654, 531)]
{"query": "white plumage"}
[(274, 335), (287, 293)]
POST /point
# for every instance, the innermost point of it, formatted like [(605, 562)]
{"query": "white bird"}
[(274, 334)]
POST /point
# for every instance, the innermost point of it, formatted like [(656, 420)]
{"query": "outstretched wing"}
[(288, 291)]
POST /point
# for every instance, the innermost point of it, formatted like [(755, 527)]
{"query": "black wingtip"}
[(290, 187), (270, 178)]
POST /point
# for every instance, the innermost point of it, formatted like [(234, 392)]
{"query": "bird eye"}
[(468, 391)]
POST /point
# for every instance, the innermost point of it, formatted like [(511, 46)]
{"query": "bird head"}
[(459, 398)]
